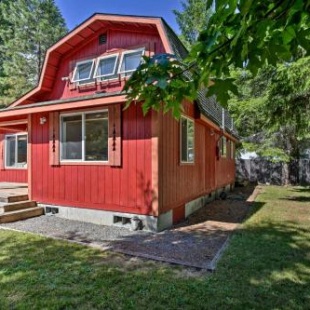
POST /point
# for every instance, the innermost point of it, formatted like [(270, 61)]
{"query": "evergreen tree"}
[(192, 20), (271, 112), (31, 27)]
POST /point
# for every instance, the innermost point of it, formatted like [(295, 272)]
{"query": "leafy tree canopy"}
[(272, 109), (240, 34)]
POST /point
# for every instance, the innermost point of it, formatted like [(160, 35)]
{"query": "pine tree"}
[(192, 20), (31, 26)]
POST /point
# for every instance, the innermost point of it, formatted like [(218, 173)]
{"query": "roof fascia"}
[(78, 104)]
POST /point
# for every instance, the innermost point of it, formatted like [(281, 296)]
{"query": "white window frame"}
[(80, 63), (83, 137), (181, 160), (232, 149), (223, 146), (106, 57), (122, 58), (16, 151)]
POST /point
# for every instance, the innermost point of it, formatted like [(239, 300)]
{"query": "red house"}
[(89, 159)]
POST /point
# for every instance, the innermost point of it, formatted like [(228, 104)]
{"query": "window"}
[(84, 136), (83, 71), (223, 146), (130, 61), (187, 140), (106, 66), (232, 150), (16, 151)]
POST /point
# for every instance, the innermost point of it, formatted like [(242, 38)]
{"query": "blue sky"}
[(76, 11)]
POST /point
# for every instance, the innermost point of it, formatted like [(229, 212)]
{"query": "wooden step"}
[(23, 214), (14, 198), (14, 206)]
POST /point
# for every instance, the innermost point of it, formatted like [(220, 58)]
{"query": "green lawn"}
[(267, 266)]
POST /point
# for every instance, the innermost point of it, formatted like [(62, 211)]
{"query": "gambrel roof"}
[(83, 33)]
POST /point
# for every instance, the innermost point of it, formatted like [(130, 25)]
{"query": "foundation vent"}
[(131, 223), (51, 210)]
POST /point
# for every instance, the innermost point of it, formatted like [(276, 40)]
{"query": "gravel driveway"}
[(197, 242)]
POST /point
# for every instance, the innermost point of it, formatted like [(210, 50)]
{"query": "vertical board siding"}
[(14, 175), (117, 40), (10, 175), (124, 189), (182, 183), (225, 169)]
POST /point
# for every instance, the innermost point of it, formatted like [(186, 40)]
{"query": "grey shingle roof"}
[(208, 106)]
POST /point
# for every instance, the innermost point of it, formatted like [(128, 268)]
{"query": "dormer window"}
[(130, 61), (83, 71), (106, 67)]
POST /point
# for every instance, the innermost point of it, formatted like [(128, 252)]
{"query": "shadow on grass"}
[(298, 198), (301, 190), (267, 266)]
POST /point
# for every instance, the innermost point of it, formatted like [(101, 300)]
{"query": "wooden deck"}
[(15, 204), (12, 192)]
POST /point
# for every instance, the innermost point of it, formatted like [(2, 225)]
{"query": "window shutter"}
[(2, 155), (54, 138), (115, 143)]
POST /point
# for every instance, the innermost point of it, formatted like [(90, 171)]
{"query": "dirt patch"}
[(198, 241)]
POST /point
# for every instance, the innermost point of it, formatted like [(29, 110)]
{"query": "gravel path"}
[(195, 242)]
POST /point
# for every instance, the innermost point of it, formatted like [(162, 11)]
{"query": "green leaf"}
[(288, 34)]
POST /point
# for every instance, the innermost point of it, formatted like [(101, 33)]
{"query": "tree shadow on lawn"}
[(265, 267), (268, 266), (301, 190), (298, 198), (304, 198)]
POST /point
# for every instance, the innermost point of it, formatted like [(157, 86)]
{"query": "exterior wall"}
[(127, 188), (10, 175), (225, 169), (14, 175), (116, 40), (181, 183)]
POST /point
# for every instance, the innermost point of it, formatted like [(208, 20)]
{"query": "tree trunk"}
[(285, 174)]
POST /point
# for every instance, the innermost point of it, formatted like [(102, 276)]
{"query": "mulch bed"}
[(198, 241)]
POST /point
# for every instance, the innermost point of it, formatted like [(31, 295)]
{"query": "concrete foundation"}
[(109, 218)]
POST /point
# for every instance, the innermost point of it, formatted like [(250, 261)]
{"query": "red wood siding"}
[(225, 168), (10, 175), (125, 189), (181, 183), (13, 175), (117, 40)]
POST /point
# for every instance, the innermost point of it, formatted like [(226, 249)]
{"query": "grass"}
[(267, 266)]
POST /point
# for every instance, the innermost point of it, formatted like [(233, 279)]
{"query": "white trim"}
[(129, 52), (16, 151), (82, 113), (223, 147), (90, 72), (106, 57), (191, 120)]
